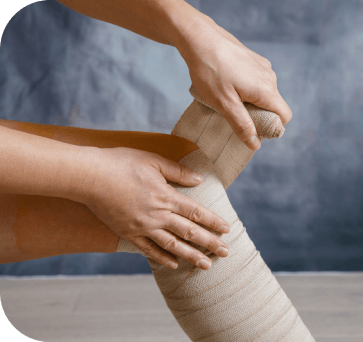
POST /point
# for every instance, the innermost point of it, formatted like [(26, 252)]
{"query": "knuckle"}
[(215, 222), (268, 83), (228, 106), (267, 91), (287, 118), (147, 247), (171, 245), (212, 244), (196, 214), (165, 195), (183, 171), (169, 199), (209, 18), (273, 77), (268, 86), (244, 128), (136, 223), (156, 156), (267, 62), (190, 234)]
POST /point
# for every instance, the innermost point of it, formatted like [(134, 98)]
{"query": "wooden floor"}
[(131, 308)]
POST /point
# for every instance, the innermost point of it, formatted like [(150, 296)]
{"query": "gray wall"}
[(300, 196)]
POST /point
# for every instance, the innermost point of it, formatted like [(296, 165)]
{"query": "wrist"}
[(40, 166), (81, 180), (181, 23)]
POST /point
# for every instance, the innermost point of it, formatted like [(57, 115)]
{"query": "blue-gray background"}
[(300, 197)]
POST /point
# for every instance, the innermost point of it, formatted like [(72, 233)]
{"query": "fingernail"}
[(253, 142), (225, 229), (204, 264), (172, 264), (197, 178), (222, 252)]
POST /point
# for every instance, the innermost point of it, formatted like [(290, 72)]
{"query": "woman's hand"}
[(130, 194), (226, 73)]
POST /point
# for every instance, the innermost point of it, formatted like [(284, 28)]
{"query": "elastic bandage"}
[(238, 299)]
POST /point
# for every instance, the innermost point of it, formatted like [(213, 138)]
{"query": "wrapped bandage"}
[(238, 299)]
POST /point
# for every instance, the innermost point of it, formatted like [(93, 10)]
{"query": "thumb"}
[(242, 124), (178, 173)]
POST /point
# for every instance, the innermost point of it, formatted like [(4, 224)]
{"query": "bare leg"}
[(35, 227), (238, 298)]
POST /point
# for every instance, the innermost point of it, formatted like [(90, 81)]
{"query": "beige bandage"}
[(238, 299)]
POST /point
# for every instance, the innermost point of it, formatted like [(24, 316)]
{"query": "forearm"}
[(164, 21), (35, 227), (34, 165)]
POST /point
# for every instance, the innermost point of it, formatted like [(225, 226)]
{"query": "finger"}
[(191, 231), (240, 120), (191, 209), (281, 108), (148, 247), (176, 172), (278, 106), (175, 245), (269, 98)]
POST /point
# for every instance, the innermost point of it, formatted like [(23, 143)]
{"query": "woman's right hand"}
[(130, 194)]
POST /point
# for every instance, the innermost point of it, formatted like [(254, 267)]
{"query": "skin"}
[(209, 52), (122, 187), (36, 226)]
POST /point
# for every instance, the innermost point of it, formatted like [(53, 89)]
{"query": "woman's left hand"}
[(226, 73)]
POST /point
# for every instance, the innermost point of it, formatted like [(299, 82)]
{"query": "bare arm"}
[(33, 227), (223, 71), (34, 165), (164, 21)]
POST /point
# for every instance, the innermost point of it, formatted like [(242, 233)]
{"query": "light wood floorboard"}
[(131, 308)]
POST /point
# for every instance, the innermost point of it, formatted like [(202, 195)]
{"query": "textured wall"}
[(300, 197)]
